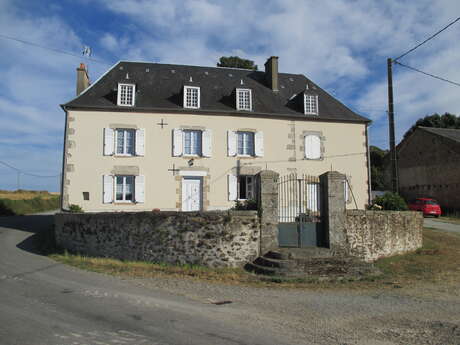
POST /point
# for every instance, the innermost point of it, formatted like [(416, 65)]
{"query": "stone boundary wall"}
[(371, 235), (213, 238)]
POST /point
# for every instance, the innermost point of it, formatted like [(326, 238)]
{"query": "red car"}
[(429, 207)]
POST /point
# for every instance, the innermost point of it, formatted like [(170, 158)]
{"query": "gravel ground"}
[(422, 314)]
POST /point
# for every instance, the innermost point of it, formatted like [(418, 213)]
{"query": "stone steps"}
[(310, 262)]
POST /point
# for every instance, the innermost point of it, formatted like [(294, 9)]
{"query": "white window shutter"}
[(139, 188), (207, 143), (346, 191), (177, 142), (140, 142), (232, 187), (108, 141), (231, 143), (316, 147), (108, 189), (259, 144), (312, 147)]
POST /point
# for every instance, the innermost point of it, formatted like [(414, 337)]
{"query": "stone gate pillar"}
[(268, 210), (333, 210)]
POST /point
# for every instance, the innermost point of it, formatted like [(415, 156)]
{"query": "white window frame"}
[(190, 105), (133, 193), (250, 187), (199, 142), (253, 149), (122, 101), (308, 98), (124, 153), (239, 93)]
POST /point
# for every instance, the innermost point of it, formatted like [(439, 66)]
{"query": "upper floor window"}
[(124, 141), (243, 99), (310, 104), (192, 142), (126, 94), (191, 97), (245, 143)]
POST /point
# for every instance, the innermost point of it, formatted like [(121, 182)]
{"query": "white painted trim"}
[(185, 97), (193, 173), (119, 95), (238, 90)]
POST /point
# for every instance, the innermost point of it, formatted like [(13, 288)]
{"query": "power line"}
[(428, 74), (53, 49), (19, 171), (429, 38)]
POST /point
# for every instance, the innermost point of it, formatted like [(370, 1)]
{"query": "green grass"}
[(9, 207), (436, 261)]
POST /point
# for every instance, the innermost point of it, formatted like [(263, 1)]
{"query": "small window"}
[(246, 187), (191, 97), (126, 94), (312, 147), (124, 189), (125, 142), (245, 143), (310, 104), (243, 99), (192, 142)]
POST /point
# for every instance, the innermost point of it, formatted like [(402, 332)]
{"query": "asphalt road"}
[(440, 225), (44, 302)]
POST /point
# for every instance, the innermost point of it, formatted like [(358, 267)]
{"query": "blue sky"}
[(340, 44)]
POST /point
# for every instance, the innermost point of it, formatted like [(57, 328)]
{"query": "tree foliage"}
[(391, 202), (377, 167), (438, 121), (237, 62)]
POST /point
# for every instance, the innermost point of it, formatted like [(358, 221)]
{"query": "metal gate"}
[(299, 211)]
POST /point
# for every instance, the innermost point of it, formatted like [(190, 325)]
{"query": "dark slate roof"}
[(159, 88), (450, 133)]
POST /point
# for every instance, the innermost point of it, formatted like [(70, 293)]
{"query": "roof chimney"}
[(82, 79), (271, 73)]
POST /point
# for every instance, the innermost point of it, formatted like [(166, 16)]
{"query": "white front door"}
[(191, 193)]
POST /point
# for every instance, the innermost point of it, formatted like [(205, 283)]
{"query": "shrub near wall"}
[(371, 235), (215, 238)]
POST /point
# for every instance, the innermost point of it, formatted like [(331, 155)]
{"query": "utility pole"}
[(391, 125)]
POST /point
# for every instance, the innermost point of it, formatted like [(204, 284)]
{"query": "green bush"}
[(245, 205), (19, 207), (390, 202), (75, 209)]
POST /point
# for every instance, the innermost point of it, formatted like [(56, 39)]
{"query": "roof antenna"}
[(86, 51)]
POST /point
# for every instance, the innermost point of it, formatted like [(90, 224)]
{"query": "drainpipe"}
[(369, 177)]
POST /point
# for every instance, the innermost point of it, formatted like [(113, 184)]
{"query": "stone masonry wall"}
[(371, 235), (214, 238)]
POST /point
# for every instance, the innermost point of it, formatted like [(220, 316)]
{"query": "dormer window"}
[(243, 99), (126, 95), (191, 97), (310, 104)]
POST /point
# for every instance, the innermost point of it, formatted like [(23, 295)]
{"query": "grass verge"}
[(436, 260), (11, 204)]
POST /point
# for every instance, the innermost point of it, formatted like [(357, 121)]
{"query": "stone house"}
[(184, 138), (429, 166)]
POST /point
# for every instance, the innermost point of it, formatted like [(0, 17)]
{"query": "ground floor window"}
[(246, 187), (124, 188)]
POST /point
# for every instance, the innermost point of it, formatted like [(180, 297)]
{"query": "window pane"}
[(242, 187), (119, 192), (120, 140), (129, 134), (129, 188), (240, 143), (187, 143)]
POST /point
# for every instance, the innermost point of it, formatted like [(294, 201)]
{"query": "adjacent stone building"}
[(429, 166)]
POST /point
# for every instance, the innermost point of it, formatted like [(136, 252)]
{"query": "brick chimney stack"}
[(82, 78), (271, 72)]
